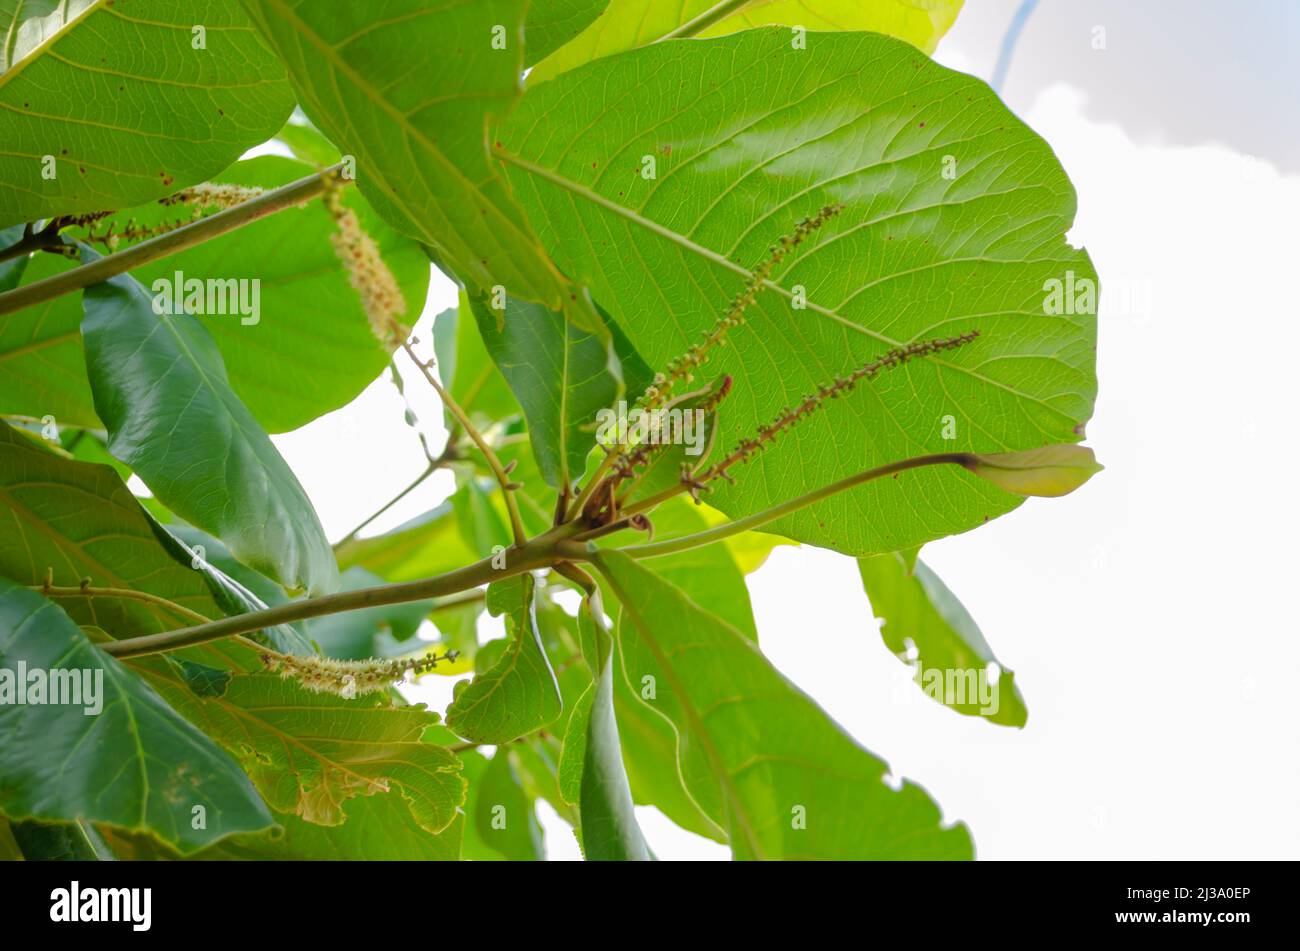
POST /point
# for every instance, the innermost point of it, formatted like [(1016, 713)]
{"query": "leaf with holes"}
[(925, 626)]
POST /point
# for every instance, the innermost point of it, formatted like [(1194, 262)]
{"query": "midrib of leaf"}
[(720, 260), (331, 53), (36, 51), (701, 732)]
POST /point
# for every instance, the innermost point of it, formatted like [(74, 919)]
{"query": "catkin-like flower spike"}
[(381, 297), (682, 368), (838, 387), (210, 195), (348, 678)]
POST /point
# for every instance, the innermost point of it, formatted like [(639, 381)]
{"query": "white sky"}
[(1149, 616)]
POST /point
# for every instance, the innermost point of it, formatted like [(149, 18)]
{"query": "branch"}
[(540, 552), (708, 537), (705, 20), (268, 203), (498, 470), (127, 594)]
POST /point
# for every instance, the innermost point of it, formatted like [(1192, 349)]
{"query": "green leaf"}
[(59, 842), (410, 96), (560, 375), (80, 520), (707, 575), (504, 814), (305, 303), (118, 754), (627, 24), (761, 758), (750, 136), (928, 628), (427, 545), (310, 753), (519, 694), (1051, 471), (591, 764), (156, 377), (122, 126), (42, 370), (552, 23)]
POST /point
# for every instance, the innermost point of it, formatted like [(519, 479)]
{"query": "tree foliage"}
[(732, 275)]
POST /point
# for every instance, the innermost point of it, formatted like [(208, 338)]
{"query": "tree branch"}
[(498, 470), (268, 203), (540, 552)]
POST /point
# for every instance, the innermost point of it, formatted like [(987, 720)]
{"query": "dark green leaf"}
[(410, 95), (560, 375), (552, 23), (160, 386), (117, 753)]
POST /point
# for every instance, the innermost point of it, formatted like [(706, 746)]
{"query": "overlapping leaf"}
[(309, 349), (121, 756), (93, 122), (161, 388), (560, 375), (627, 24), (410, 94), (762, 760), (518, 693), (953, 220)]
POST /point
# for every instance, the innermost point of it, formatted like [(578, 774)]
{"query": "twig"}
[(507, 487), (268, 203)]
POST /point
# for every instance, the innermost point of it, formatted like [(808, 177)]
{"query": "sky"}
[(1149, 616)]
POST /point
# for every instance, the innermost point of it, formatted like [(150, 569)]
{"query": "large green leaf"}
[(710, 576), (552, 23), (42, 371), (306, 306), (310, 753), (560, 375), (127, 101), (519, 693), (759, 756), (160, 386), (927, 627), (409, 92), (627, 24), (750, 136), (117, 753)]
